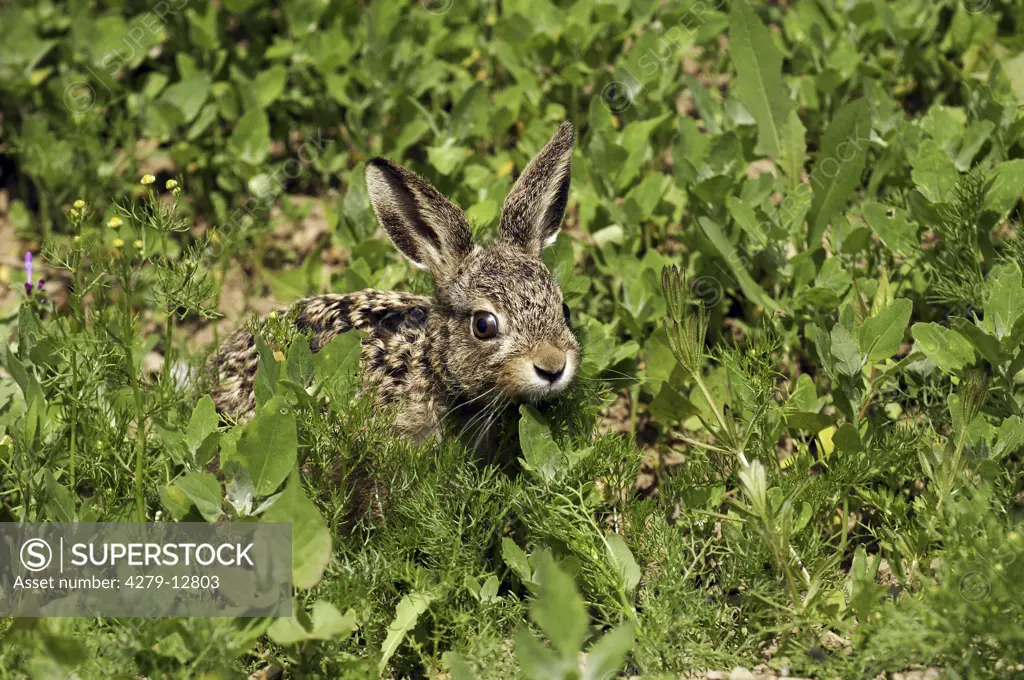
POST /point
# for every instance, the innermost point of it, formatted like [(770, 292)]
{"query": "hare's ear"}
[(533, 211), (424, 225)]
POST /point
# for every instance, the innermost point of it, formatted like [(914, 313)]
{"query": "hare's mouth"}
[(537, 381)]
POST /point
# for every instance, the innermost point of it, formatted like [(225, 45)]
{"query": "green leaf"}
[(515, 559), (203, 490), (934, 172), (311, 539), (268, 448), (202, 424), (446, 158), (893, 226), (250, 140), (188, 95), (1010, 438), (759, 86), (326, 623), (407, 613), (809, 421), (60, 502), (849, 359), (540, 452), (299, 365), (625, 563), (847, 439), (1006, 183), (538, 661), (558, 609), (882, 334), (839, 165), (986, 345), (732, 258), (339, 359), (268, 85), (947, 349), (1004, 299), (608, 655)]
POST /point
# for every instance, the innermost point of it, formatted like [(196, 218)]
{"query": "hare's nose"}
[(549, 363)]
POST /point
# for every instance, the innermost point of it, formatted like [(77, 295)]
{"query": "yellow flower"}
[(79, 204), (118, 243), (175, 191), (138, 244), (148, 179), (114, 222), (171, 183), (73, 213)]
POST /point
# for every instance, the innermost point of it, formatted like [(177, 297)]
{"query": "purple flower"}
[(28, 275)]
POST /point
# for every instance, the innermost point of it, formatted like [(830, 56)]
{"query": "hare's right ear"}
[(533, 211), (424, 225)]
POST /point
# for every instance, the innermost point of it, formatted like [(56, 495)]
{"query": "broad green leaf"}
[(1010, 438), (736, 265), (515, 559), (839, 165), (268, 447), (408, 612), (202, 424), (558, 609), (1004, 299), (1006, 185), (809, 421), (934, 172), (847, 354), (188, 95), (446, 158), (539, 661), (203, 490), (268, 85), (984, 344), (625, 563), (760, 87), (250, 140), (326, 623), (311, 539), (608, 655), (893, 226), (540, 452), (60, 502), (882, 334), (946, 348), (847, 439), (804, 396)]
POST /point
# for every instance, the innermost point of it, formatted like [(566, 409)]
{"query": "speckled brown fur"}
[(421, 352)]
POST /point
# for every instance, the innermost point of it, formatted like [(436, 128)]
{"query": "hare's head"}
[(500, 325)]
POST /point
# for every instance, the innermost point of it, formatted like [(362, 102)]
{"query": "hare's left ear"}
[(424, 225), (533, 211)]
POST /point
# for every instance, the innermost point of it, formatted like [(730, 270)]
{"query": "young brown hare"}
[(496, 330)]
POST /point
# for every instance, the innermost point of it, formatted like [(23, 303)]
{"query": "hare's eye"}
[(485, 326), (565, 311)]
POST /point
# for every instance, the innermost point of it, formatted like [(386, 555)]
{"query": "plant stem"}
[(726, 432)]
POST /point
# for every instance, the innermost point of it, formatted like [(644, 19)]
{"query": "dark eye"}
[(485, 326), (565, 310)]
